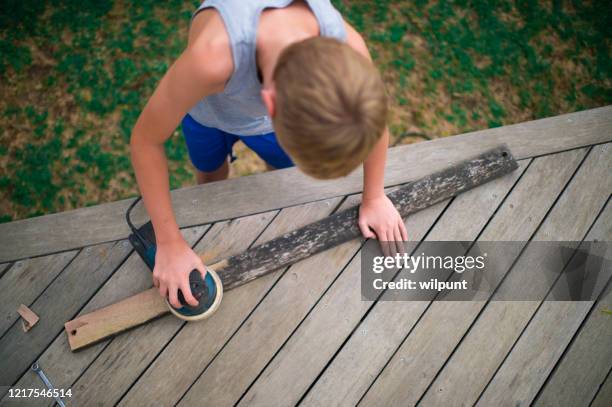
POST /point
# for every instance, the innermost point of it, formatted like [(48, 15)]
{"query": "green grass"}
[(75, 75)]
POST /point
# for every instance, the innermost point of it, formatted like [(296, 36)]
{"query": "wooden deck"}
[(303, 334)]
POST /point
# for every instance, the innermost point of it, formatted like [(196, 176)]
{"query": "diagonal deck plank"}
[(178, 365), (545, 338), (299, 362), (25, 281), (604, 395), (330, 388), (479, 354), (63, 366), (58, 303), (282, 188), (419, 358), (586, 363)]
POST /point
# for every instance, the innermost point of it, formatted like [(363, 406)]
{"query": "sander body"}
[(208, 291)]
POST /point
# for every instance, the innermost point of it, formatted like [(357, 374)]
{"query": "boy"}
[(252, 67)]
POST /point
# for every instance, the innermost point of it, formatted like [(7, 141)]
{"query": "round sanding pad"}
[(210, 291)]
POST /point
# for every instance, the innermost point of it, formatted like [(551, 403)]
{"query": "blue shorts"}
[(209, 147)]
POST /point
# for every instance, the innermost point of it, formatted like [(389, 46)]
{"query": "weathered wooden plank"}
[(343, 226), (25, 280), (480, 353), (327, 326), (278, 189), (301, 243), (60, 364), (419, 357), (61, 300), (127, 356), (543, 341), (586, 364), (171, 374), (604, 395)]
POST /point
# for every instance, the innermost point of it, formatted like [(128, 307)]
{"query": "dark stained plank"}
[(25, 281), (343, 226), (175, 369), (478, 356), (60, 301), (287, 377), (543, 341), (63, 366), (127, 356), (278, 189), (419, 357)]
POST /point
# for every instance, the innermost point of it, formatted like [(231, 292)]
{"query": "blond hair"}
[(331, 106)]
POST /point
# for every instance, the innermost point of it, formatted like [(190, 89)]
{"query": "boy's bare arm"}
[(202, 69), (378, 218)]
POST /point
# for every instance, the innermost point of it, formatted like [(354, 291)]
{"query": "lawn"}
[(74, 76)]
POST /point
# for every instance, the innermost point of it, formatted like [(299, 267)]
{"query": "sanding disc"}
[(207, 305)]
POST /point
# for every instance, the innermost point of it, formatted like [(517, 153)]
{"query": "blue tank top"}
[(239, 109)]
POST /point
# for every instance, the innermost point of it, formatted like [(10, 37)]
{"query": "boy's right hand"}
[(174, 261)]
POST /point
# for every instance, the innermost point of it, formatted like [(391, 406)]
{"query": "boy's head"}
[(330, 106)]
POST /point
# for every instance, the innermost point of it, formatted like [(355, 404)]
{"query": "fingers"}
[(155, 281), (399, 242), (187, 295), (393, 243), (386, 242), (366, 231), (173, 296), (201, 268), (163, 289)]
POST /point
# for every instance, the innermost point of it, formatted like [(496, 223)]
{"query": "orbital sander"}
[(208, 291)]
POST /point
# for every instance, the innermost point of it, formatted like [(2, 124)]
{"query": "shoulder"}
[(208, 47), (356, 41)]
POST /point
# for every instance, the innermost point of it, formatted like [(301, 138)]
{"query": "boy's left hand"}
[(378, 219)]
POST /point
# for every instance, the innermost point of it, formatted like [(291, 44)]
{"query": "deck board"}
[(278, 189), (479, 355), (303, 334), (587, 361), (604, 395)]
